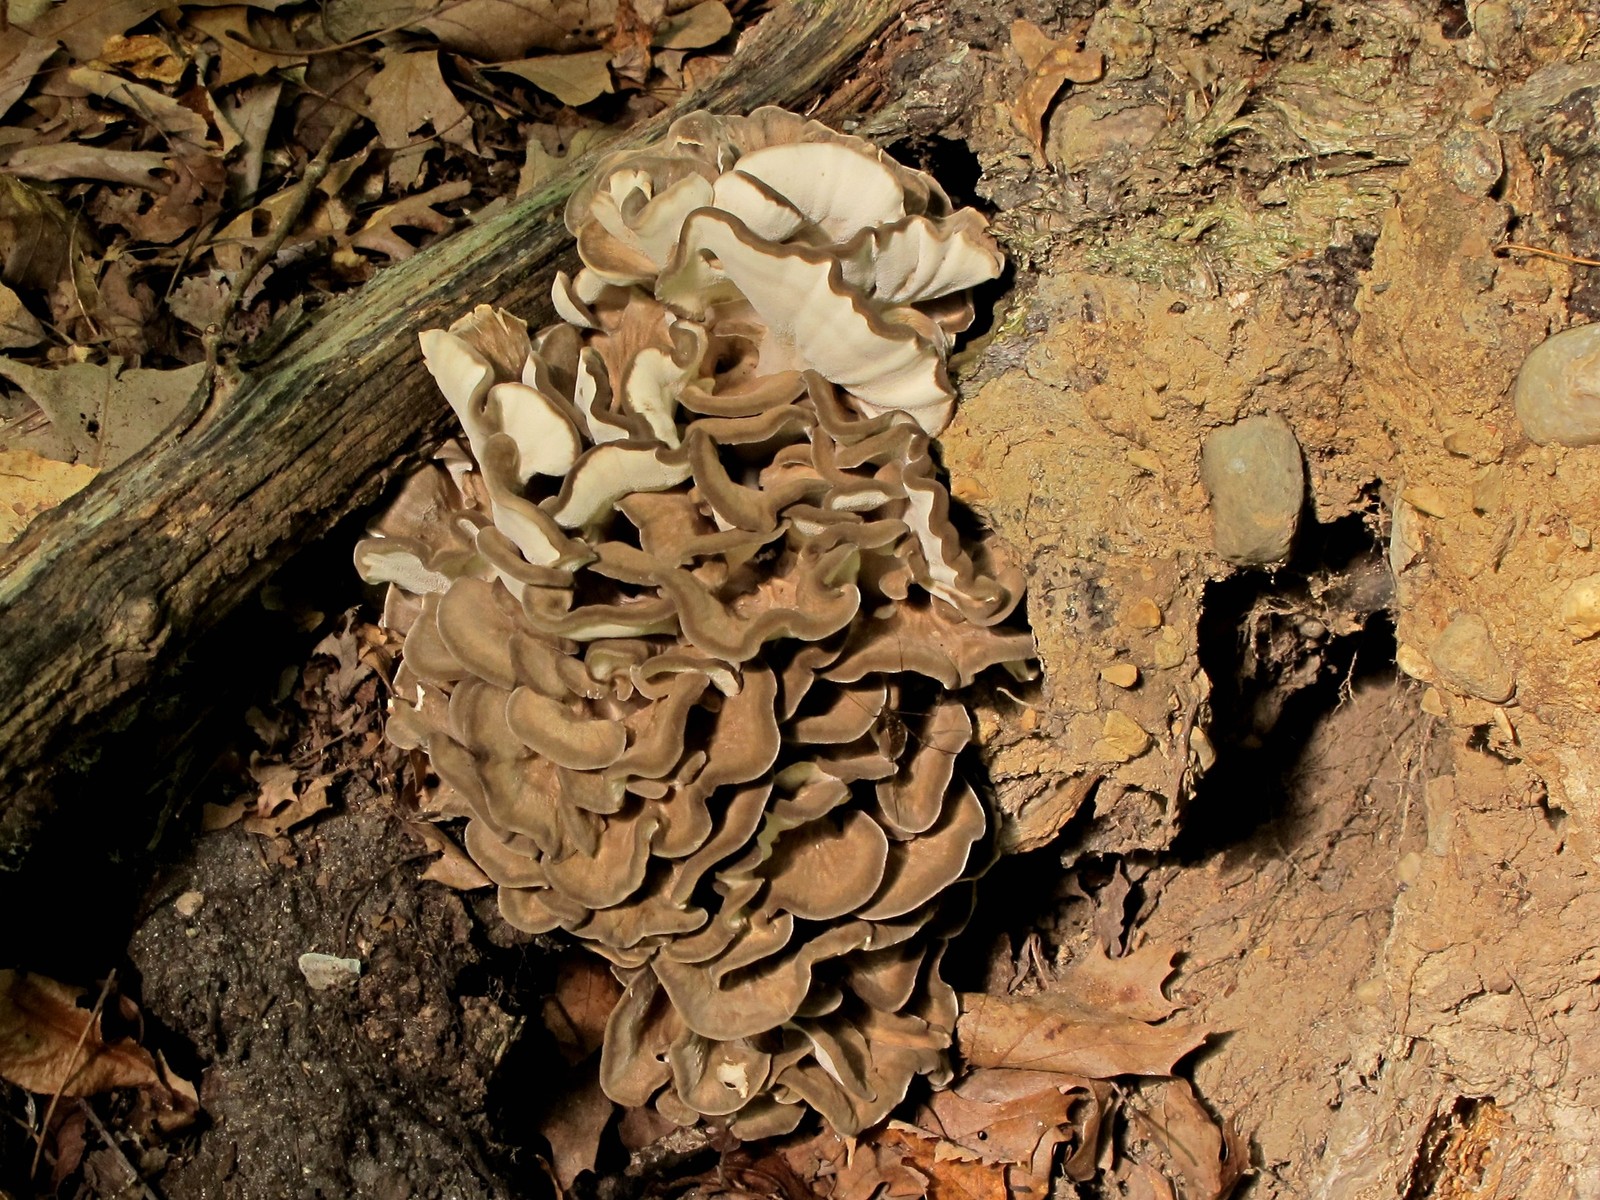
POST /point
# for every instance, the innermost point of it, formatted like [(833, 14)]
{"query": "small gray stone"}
[(1465, 657), (1558, 389), (1257, 482), (324, 971)]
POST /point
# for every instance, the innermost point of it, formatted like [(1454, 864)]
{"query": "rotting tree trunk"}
[(103, 594)]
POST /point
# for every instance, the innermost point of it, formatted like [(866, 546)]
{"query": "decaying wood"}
[(101, 595)]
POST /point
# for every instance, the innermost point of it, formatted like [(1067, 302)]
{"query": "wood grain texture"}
[(102, 595)]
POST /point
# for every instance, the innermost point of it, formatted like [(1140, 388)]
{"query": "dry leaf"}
[(38, 241), (1047, 1033), (698, 72), (249, 112), (237, 59), (31, 484), (495, 30), (1110, 920), (576, 1015), (144, 56), (18, 327), (198, 300), (1129, 986), (164, 114), (346, 649), (408, 93), (695, 28), (571, 78), (1142, 1182), (73, 160), (1012, 1116), (949, 1178), (879, 1166), (278, 808), (1052, 64), (191, 199), (108, 414), (235, 242), (452, 868), (1030, 42), (20, 59), (84, 26), (574, 1126), (219, 816), (49, 1044), (1207, 1161), (414, 212), (539, 164)]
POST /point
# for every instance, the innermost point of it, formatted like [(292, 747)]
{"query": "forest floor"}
[(1374, 887)]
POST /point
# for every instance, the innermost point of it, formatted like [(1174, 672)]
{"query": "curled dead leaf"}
[(1019, 1117), (278, 806), (413, 212), (694, 28), (49, 1043), (574, 1128), (452, 868), (1205, 1160), (571, 78)]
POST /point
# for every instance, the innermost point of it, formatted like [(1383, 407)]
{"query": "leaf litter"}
[(153, 163)]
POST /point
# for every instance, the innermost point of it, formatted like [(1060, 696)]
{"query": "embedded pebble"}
[(1465, 657), (189, 903), (1580, 608), (1257, 481), (1413, 662), (1557, 396), (1168, 649), (1122, 674), (1122, 739), (1144, 614), (324, 971)]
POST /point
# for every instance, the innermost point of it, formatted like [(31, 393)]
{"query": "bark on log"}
[(104, 593)]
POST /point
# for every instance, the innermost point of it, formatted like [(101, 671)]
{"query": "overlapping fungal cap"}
[(847, 262), (686, 631)]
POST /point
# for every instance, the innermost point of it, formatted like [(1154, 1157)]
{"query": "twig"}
[(145, 1189), (299, 197), (50, 1111), (1507, 247), (1191, 707)]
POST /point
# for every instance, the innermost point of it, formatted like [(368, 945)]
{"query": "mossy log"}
[(101, 597)]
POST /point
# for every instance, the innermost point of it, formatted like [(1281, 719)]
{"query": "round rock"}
[(1257, 480), (1580, 608), (1465, 657), (1558, 389)]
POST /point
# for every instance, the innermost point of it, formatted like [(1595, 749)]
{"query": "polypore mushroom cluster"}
[(685, 629)]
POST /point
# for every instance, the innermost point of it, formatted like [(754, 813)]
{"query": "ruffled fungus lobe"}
[(683, 627)]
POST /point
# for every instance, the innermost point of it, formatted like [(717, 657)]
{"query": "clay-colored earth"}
[(1331, 213)]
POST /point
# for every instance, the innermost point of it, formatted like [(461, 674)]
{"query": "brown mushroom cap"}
[(664, 611)]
